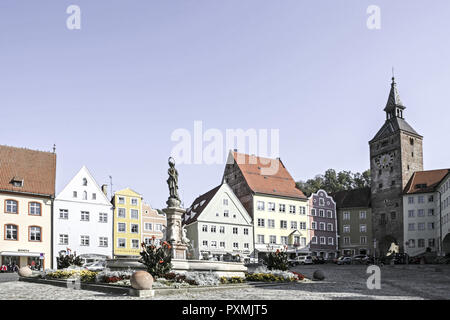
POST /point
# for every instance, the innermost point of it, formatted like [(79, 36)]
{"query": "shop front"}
[(34, 260)]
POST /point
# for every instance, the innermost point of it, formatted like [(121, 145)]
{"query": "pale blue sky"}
[(110, 95)]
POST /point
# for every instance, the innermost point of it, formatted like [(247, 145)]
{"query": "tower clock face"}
[(385, 160)]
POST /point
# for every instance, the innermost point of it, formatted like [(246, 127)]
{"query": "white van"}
[(301, 260)]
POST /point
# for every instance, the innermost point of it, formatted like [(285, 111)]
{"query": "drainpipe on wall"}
[(440, 223), (52, 199)]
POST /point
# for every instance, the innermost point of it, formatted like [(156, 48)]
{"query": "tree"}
[(333, 182), (67, 260)]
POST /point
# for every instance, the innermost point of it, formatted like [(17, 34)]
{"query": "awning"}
[(20, 254)]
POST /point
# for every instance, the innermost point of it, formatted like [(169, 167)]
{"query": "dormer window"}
[(17, 182), (84, 182)]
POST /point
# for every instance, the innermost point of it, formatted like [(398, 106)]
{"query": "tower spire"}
[(394, 106)]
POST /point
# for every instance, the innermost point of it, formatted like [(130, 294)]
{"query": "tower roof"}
[(394, 98)]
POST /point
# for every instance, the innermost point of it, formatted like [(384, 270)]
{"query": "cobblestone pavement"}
[(342, 282)]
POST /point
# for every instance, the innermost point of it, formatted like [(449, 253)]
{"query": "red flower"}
[(161, 261)]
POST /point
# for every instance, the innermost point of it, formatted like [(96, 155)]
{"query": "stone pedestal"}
[(174, 232), (142, 293)]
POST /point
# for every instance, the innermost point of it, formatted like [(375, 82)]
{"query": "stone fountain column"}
[(174, 232)]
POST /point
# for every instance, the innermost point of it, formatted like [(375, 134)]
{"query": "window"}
[(134, 228), (302, 210), (329, 214), (302, 225), (11, 206), (321, 213), (103, 217), (212, 229), (291, 209), (313, 212), (225, 202), (296, 240), (121, 243), (270, 223), (84, 182), (260, 238), (103, 241), (421, 199), (63, 214), (362, 228), (273, 239), (346, 228), (226, 213), (121, 227), (284, 240), (421, 213), (246, 246), (362, 214), (235, 245), (213, 244), (314, 240), (314, 225), (75, 194), (64, 239), (412, 243), (260, 205), (363, 240), (382, 218), (322, 240), (283, 224), (271, 206), (84, 216), (431, 243), (34, 208), (303, 241), (330, 227), (34, 233), (246, 231), (121, 200), (205, 228), (205, 243), (122, 213), (346, 240), (321, 202), (431, 212), (431, 198), (222, 244), (330, 241), (421, 226), (322, 226), (421, 243), (282, 208), (222, 229), (410, 213), (410, 200), (430, 225), (134, 201), (294, 225), (84, 195), (148, 226), (134, 214), (260, 222), (235, 230), (346, 215), (411, 226), (135, 243), (84, 241)]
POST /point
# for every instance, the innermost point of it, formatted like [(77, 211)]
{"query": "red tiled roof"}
[(280, 183), (425, 181), (37, 169)]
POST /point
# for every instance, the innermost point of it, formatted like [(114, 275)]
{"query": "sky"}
[(110, 94)]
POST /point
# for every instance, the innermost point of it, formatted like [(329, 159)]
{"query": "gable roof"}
[(37, 169), (356, 198), (280, 184), (425, 181), (393, 125), (128, 192), (84, 172), (199, 204)]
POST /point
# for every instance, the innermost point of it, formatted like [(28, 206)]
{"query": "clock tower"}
[(395, 154)]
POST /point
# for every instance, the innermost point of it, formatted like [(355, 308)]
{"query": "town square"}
[(227, 150)]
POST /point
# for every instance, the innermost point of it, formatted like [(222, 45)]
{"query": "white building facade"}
[(83, 219), (219, 227), (443, 214)]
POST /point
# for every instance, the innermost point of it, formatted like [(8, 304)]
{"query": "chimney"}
[(105, 189)]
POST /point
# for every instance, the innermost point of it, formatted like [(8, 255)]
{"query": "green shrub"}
[(277, 261), (66, 260), (157, 259)]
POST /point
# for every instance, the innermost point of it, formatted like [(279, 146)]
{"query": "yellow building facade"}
[(127, 223)]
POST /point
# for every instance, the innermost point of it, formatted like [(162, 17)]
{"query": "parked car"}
[(318, 260), (360, 258), (301, 260), (344, 260), (96, 266)]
